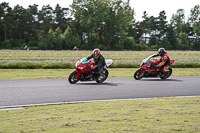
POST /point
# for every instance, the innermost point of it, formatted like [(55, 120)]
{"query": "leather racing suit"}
[(165, 62), (100, 63)]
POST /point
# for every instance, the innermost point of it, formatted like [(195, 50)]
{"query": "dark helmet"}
[(161, 51), (96, 53)]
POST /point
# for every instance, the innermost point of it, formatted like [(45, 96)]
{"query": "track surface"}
[(18, 92)]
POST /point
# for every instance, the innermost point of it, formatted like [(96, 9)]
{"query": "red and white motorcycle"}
[(83, 71)]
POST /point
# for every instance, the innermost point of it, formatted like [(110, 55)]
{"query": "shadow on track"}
[(107, 84), (149, 79)]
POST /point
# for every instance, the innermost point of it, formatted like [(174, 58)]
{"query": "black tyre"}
[(137, 75), (72, 78), (103, 76), (167, 74)]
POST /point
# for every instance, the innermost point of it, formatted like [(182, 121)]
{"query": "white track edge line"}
[(74, 102)]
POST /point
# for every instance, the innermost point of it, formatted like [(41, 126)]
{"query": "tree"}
[(153, 30), (194, 20), (144, 26), (129, 43), (50, 40), (178, 20), (135, 32), (61, 18), (54, 39), (162, 24), (20, 19), (165, 43), (34, 25), (8, 23), (45, 17), (109, 20), (57, 39), (77, 12), (183, 42), (2, 14), (69, 39), (108, 24), (171, 35)]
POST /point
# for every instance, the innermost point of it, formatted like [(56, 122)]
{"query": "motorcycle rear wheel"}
[(72, 78), (103, 76), (167, 74), (137, 75)]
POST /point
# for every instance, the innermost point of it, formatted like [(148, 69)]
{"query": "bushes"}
[(69, 40), (141, 47), (12, 44), (55, 40), (183, 43), (166, 44), (129, 43), (196, 45), (6, 44)]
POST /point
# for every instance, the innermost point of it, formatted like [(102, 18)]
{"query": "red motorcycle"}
[(148, 69), (83, 72)]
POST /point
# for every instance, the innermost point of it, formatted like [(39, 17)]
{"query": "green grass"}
[(67, 59), (64, 73), (166, 115), (141, 115)]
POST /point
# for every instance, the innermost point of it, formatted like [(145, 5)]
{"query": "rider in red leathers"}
[(165, 60)]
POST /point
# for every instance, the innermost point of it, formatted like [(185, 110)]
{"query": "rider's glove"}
[(156, 66), (93, 67)]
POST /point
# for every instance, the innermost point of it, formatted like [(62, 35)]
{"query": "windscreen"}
[(84, 61), (147, 60)]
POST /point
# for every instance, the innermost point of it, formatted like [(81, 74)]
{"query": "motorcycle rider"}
[(99, 60), (165, 60)]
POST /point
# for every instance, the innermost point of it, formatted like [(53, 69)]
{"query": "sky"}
[(152, 7)]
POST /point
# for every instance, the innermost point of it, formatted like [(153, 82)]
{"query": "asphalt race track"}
[(20, 92)]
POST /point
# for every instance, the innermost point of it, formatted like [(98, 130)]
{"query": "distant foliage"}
[(69, 40), (87, 24), (166, 44), (183, 42)]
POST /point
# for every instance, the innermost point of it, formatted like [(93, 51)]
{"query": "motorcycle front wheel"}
[(102, 77), (72, 78), (137, 75)]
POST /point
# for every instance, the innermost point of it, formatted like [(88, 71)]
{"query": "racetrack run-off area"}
[(26, 92)]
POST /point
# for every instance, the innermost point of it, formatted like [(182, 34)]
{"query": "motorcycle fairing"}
[(78, 73), (83, 63)]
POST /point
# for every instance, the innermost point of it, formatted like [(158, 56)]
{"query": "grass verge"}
[(64, 73), (140, 115)]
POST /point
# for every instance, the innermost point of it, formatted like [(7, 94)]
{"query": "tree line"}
[(88, 24)]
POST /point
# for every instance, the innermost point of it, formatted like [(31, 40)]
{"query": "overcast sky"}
[(153, 7)]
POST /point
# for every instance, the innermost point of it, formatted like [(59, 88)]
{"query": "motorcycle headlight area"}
[(80, 68)]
